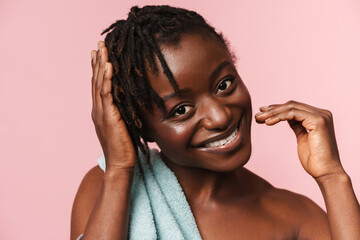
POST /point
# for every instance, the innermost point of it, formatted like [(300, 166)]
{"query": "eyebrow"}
[(174, 94), (217, 70), (212, 76)]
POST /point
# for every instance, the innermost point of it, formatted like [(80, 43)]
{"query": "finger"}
[(97, 60), (275, 108), (96, 106), (298, 128), (99, 73), (106, 96), (308, 120), (294, 117), (93, 61), (102, 60), (106, 56)]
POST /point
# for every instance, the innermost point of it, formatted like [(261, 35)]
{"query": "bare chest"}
[(231, 224)]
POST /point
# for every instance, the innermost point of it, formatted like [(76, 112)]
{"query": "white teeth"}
[(224, 141)]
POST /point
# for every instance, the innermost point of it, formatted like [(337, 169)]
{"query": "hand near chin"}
[(110, 128), (314, 130)]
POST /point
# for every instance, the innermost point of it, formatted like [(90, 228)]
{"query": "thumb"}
[(298, 128)]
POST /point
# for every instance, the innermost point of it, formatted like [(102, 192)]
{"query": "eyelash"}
[(227, 79), (182, 106)]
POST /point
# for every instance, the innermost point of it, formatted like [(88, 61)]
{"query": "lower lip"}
[(227, 147)]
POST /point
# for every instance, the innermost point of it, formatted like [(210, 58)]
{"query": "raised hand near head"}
[(314, 130), (110, 128)]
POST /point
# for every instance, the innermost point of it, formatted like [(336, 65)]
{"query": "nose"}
[(215, 116)]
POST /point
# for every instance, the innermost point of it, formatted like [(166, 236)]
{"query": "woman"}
[(164, 75)]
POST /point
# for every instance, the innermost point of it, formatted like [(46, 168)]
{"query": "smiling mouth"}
[(224, 141)]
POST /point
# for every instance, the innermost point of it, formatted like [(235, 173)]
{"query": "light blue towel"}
[(159, 209)]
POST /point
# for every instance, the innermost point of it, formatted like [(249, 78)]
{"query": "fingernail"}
[(265, 107), (99, 45), (269, 120), (106, 66), (259, 113)]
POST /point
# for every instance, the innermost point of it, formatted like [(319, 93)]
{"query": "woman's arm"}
[(318, 154), (99, 205), (85, 200), (343, 209), (110, 212)]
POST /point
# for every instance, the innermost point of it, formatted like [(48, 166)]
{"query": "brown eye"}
[(224, 85), (181, 110)]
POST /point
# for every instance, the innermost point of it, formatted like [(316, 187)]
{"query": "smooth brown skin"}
[(228, 201), (101, 206)]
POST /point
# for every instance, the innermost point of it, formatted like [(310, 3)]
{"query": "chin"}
[(230, 163)]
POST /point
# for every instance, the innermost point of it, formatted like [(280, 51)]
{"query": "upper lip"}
[(219, 137)]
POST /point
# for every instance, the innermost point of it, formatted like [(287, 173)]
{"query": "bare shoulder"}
[(85, 200), (289, 211), (310, 220)]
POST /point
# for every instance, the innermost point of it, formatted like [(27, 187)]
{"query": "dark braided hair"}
[(132, 43)]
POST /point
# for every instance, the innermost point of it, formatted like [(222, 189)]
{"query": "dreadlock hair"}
[(132, 43)]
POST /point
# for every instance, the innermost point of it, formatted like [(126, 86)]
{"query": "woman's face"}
[(208, 124)]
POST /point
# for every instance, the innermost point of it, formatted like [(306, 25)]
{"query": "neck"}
[(205, 186)]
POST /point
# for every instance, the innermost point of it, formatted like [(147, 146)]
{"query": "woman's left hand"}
[(314, 130)]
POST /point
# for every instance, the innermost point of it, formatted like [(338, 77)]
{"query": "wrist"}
[(116, 173), (336, 178), (124, 160)]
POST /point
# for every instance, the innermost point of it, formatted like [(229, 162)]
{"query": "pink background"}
[(303, 50)]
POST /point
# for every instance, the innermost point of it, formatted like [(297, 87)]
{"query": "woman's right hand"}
[(111, 130)]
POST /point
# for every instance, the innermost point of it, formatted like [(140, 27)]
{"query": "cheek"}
[(179, 130), (242, 98), (172, 135)]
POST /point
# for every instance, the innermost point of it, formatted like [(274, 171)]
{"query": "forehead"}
[(193, 59)]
